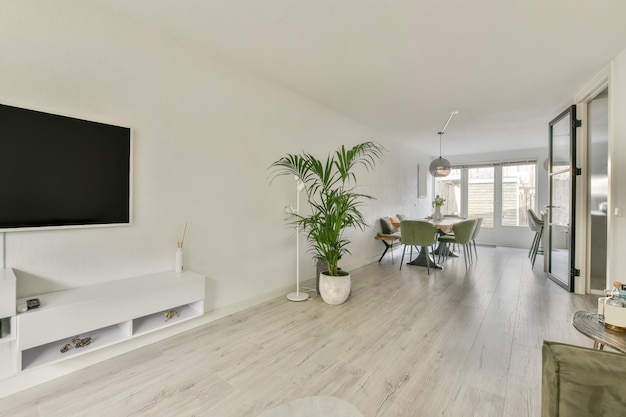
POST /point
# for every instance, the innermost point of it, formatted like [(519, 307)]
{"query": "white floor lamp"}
[(297, 296)]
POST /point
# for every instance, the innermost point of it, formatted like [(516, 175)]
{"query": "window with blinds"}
[(503, 190)]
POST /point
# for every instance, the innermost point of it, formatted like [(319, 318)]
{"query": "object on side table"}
[(612, 308), (32, 303), (591, 325), (614, 317)]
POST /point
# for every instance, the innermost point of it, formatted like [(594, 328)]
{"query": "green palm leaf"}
[(330, 186)]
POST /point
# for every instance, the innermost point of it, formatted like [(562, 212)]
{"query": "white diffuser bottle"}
[(179, 260), (180, 240)]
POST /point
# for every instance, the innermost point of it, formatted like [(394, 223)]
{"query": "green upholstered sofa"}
[(582, 382)]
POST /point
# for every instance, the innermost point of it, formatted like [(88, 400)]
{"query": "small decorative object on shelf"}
[(78, 342), (32, 303), (171, 313), (179, 249)]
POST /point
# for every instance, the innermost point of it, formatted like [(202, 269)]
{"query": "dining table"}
[(443, 226)]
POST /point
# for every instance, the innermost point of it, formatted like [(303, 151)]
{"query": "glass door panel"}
[(598, 156), (480, 194), (449, 188), (559, 226), (561, 214), (518, 193), (561, 149)]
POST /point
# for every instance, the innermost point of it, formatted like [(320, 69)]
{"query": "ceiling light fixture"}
[(440, 167)]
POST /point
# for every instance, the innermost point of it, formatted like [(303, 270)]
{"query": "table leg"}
[(439, 248), (420, 260)]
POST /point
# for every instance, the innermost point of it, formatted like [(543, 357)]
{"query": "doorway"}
[(598, 186)]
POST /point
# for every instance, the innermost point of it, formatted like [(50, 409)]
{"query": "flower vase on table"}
[(437, 216), (437, 203)]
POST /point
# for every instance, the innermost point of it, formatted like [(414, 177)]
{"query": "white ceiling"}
[(400, 66)]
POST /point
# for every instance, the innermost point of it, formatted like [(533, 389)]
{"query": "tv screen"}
[(58, 171)]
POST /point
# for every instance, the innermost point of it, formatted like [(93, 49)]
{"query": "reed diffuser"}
[(180, 241)]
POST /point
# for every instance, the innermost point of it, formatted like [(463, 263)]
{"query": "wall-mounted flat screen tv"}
[(60, 172)]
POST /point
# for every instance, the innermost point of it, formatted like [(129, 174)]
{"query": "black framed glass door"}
[(559, 219)]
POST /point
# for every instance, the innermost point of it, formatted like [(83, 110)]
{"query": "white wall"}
[(205, 133)]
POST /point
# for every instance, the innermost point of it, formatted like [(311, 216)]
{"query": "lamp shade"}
[(440, 167)]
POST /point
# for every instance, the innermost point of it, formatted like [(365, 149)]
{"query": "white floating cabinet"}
[(51, 352), (7, 293), (7, 334), (8, 361), (109, 313)]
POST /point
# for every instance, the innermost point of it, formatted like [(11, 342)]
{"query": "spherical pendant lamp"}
[(440, 167)]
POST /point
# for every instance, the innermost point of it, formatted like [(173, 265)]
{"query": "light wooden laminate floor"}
[(405, 344)]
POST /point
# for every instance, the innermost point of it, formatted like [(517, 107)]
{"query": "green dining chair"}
[(476, 231), (536, 225), (463, 233), (417, 233)]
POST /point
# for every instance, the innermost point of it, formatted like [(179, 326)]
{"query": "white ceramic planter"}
[(334, 290)]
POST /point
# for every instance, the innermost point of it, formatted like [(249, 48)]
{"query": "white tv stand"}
[(109, 313)]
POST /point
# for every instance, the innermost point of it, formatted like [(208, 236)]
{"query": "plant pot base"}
[(335, 290)]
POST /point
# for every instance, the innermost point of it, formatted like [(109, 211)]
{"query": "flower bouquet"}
[(437, 203)]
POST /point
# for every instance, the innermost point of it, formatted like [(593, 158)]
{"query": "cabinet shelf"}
[(51, 352), (156, 321), (108, 313), (7, 333)]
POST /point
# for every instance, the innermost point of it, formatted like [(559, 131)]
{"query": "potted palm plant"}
[(334, 202)]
